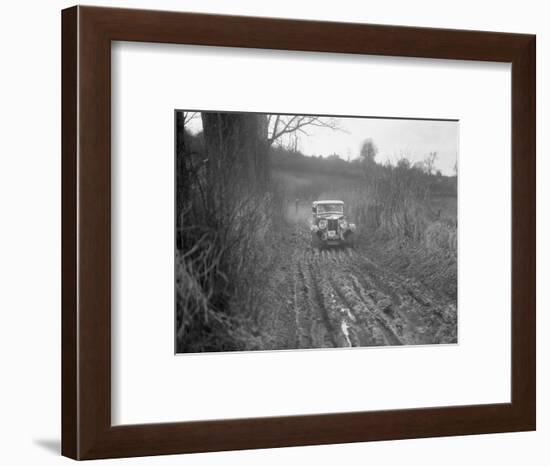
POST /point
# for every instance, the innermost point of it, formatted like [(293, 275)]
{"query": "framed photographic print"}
[(282, 233)]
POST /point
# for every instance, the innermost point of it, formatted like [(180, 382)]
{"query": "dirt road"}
[(341, 298)]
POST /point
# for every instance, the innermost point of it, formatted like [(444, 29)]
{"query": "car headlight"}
[(323, 224), (343, 224)]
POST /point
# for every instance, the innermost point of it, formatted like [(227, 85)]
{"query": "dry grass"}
[(221, 271)]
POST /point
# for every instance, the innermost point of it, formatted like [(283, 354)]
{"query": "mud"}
[(341, 297)]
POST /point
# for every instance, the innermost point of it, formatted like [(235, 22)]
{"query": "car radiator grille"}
[(333, 224)]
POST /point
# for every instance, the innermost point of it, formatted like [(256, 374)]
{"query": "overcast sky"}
[(414, 139)]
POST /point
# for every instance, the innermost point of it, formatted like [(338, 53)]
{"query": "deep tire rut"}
[(341, 298)]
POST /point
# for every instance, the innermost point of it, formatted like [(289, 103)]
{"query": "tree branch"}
[(297, 123)]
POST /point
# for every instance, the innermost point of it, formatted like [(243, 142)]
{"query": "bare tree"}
[(187, 117), (183, 154), (280, 125), (429, 163), (185, 168)]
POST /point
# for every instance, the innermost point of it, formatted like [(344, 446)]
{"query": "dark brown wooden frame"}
[(87, 33)]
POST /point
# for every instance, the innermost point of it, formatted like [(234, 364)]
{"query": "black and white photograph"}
[(275, 233), (314, 231)]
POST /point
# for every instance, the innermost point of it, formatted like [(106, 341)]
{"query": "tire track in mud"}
[(384, 306), (322, 299), (303, 339), (312, 322), (352, 316), (394, 301), (421, 318), (390, 325), (344, 299), (349, 316), (366, 325), (338, 310)]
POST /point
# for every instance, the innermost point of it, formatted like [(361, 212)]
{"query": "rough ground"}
[(340, 297)]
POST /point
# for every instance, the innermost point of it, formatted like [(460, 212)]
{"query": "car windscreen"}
[(325, 208)]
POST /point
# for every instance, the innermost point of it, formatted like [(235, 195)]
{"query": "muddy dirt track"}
[(339, 297)]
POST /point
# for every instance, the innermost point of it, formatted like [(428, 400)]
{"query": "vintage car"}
[(329, 226)]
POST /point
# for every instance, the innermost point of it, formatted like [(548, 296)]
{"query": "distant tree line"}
[(364, 168)]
